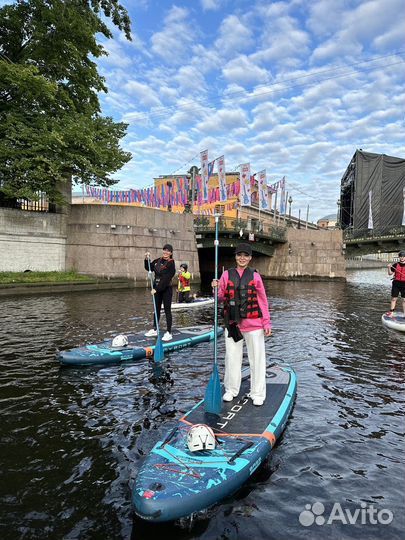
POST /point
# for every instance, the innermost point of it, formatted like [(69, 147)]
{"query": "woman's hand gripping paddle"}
[(158, 354), (213, 394)]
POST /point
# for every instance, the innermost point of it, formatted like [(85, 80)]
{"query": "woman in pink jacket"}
[(247, 318)]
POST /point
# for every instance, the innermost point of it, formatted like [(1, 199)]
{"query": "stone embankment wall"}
[(111, 241), (353, 264), (308, 254), (32, 241)]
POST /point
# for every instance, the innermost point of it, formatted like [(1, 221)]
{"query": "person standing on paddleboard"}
[(164, 268), (247, 318), (183, 286), (398, 283)]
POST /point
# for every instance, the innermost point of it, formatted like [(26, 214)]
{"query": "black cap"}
[(244, 248), (401, 254), (168, 247)]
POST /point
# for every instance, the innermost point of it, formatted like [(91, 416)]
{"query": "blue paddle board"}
[(138, 348), (174, 482)]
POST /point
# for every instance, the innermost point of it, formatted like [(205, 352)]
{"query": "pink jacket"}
[(248, 325)]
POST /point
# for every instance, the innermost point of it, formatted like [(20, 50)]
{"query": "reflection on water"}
[(73, 438)]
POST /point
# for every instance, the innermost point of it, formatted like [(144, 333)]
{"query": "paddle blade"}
[(158, 354), (213, 394)]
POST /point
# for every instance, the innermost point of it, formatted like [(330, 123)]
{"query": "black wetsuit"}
[(164, 272)]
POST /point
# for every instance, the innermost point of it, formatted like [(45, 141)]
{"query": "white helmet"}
[(200, 437), (120, 341)]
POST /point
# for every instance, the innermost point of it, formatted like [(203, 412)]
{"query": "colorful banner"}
[(160, 197), (263, 191), (222, 178), (246, 191), (282, 201), (211, 166), (204, 174)]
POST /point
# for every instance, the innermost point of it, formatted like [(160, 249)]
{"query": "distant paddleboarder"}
[(397, 269), (183, 286)]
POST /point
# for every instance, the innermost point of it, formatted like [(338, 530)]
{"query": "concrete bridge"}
[(368, 241), (264, 235)]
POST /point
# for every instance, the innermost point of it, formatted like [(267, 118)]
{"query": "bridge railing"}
[(231, 225), (373, 234)]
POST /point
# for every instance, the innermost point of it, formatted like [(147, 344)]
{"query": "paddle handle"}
[(153, 298)]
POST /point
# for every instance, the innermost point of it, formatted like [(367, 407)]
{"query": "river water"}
[(72, 439)]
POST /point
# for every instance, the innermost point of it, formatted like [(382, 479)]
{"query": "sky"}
[(293, 87)]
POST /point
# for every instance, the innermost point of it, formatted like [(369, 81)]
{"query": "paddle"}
[(158, 354), (213, 395)]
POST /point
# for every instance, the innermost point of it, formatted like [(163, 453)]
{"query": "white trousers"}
[(257, 362)]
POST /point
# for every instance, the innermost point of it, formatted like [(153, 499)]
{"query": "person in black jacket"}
[(164, 269)]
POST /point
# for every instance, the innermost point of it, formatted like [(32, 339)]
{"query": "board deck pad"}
[(175, 482), (248, 418)]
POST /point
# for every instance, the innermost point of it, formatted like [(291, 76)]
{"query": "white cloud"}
[(189, 78), (143, 93), (116, 56), (234, 36), (225, 119), (210, 5), (173, 42), (241, 70)]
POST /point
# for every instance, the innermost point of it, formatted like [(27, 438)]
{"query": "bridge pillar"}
[(308, 254)]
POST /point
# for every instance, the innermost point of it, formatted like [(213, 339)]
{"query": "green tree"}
[(51, 129)]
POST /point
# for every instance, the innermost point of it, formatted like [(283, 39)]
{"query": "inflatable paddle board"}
[(396, 322), (138, 348), (174, 482), (198, 302)]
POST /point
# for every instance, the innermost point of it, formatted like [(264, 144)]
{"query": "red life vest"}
[(241, 300), (399, 272)]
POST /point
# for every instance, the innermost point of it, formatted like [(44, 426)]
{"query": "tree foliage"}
[(51, 128)]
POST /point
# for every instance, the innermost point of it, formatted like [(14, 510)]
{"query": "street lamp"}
[(187, 206), (338, 215), (290, 200), (192, 173), (169, 206)]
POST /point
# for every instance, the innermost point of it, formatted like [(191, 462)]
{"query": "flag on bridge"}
[(204, 174), (263, 191), (246, 192), (222, 178)]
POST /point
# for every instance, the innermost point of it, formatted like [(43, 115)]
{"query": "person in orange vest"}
[(398, 284), (183, 286), (247, 319)]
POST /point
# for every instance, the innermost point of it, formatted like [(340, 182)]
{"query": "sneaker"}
[(151, 333), (258, 402), (227, 396), (167, 336)]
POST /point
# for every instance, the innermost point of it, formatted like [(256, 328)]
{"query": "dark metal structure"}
[(372, 194)]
